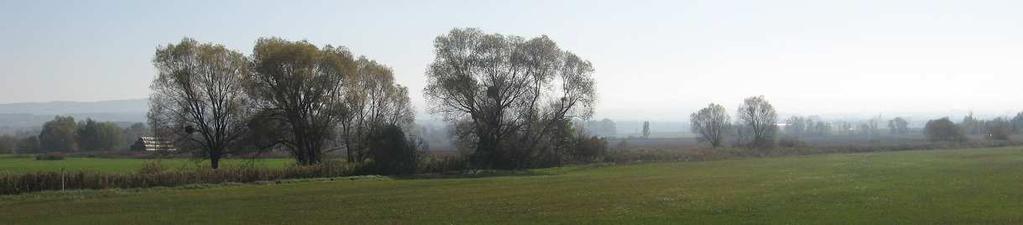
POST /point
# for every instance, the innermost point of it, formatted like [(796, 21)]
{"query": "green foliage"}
[(28, 145), (944, 130), (99, 136), (8, 144), (59, 135), (50, 156), (392, 153), (153, 177)]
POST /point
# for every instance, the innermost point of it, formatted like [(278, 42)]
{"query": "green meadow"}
[(966, 186), (23, 164)]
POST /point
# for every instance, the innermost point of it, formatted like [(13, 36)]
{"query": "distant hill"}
[(27, 116)]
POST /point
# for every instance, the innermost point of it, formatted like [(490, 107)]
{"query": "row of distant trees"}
[(63, 134), (757, 126)]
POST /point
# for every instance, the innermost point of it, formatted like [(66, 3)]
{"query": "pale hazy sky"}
[(655, 60)]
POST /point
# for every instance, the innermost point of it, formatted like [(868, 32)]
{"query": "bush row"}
[(154, 176)]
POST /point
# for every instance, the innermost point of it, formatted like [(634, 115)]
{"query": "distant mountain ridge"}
[(31, 115), (72, 107)]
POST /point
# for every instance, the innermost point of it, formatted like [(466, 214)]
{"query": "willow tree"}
[(512, 93), (710, 123), (374, 102), (759, 121), (301, 86), (198, 99)]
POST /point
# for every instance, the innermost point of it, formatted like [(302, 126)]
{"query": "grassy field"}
[(969, 186), (9, 163)]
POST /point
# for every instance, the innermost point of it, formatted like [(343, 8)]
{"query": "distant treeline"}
[(63, 134)]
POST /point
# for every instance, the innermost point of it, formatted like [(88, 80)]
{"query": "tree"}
[(797, 126), (374, 102), (58, 135), (134, 132), (710, 123), (301, 86), (972, 125), (760, 120), (1017, 123), (98, 136), (28, 145), (8, 144), (514, 95), (392, 152), (646, 129), (998, 129), (943, 130), (198, 97), (898, 126)]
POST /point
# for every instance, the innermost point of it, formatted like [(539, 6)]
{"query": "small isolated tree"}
[(760, 121), (58, 135), (198, 98), (710, 123), (943, 130), (301, 86), (646, 129)]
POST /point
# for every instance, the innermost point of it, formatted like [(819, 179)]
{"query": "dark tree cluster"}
[(63, 134), (290, 95)]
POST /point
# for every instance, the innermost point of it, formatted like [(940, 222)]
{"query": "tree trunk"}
[(215, 159)]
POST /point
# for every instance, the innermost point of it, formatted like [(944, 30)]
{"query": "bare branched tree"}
[(302, 86), (375, 102), (711, 123), (509, 89), (198, 97), (759, 120)]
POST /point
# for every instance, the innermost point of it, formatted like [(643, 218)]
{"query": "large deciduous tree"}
[(59, 135), (508, 94), (374, 101), (710, 123), (759, 121), (198, 98), (302, 86), (99, 136)]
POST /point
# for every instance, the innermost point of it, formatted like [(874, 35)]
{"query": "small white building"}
[(152, 144)]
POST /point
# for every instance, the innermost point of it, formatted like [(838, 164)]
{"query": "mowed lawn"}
[(11, 164), (968, 186)]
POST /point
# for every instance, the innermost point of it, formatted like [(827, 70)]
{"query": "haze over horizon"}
[(655, 60)]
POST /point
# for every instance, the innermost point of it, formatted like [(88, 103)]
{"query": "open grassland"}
[(24, 164), (968, 186)]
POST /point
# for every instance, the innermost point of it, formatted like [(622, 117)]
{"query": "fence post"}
[(62, 179)]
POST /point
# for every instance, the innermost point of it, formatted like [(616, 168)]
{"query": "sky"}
[(654, 60)]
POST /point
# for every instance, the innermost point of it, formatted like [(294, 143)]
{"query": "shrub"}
[(44, 181), (50, 156), (589, 149), (151, 167), (790, 142), (944, 130), (392, 153)]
